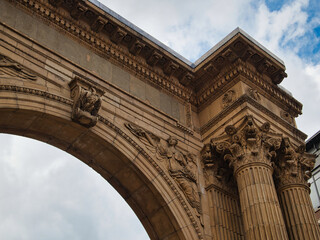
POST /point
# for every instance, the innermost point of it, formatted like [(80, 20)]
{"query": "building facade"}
[(204, 150)]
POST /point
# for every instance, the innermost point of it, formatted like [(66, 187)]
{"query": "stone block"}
[(175, 109), (153, 96), (8, 13), (27, 24), (137, 88), (166, 103), (121, 78)]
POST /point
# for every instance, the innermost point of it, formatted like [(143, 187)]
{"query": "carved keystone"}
[(86, 101)]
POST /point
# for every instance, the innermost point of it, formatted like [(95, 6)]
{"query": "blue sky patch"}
[(275, 5), (317, 31)]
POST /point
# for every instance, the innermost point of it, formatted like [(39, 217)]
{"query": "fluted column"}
[(249, 150), (292, 172), (262, 217)]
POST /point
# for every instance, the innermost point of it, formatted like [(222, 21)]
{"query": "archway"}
[(108, 150)]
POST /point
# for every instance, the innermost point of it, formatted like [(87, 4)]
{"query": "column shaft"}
[(298, 213), (260, 207)]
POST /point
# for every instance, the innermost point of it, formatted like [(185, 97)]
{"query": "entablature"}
[(238, 57)]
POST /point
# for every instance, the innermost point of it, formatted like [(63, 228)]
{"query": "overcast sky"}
[(48, 194)]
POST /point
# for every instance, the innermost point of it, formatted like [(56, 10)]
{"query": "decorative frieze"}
[(136, 46)]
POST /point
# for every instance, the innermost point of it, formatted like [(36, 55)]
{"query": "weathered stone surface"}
[(210, 152)]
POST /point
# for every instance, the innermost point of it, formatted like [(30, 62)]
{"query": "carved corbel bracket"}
[(154, 58), (78, 10), (118, 35), (170, 68), (86, 101), (136, 47), (98, 24)]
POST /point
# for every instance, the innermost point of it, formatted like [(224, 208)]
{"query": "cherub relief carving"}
[(182, 167), (86, 103), (9, 68)]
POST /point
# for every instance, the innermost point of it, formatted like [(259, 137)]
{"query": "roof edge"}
[(225, 40)]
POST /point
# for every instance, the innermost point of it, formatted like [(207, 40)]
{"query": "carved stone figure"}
[(86, 104), (9, 68), (181, 167)]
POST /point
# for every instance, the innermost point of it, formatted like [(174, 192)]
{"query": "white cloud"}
[(48, 194)]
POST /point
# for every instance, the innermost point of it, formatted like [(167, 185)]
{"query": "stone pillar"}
[(292, 170), (259, 203), (249, 150), (225, 214)]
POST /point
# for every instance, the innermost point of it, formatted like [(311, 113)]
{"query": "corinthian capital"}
[(247, 143), (293, 165)]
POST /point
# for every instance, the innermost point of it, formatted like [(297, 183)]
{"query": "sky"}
[(48, 194)]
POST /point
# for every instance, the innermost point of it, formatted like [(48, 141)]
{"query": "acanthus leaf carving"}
[(86, 102), (293, 165), (182, 167), (216, 170), (9, 68), (247, 144)]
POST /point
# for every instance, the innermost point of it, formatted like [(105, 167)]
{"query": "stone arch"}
[(108, 150)]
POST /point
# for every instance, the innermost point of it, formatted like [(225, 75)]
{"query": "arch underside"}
[(109, 151)]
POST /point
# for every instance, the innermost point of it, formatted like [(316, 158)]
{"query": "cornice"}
[(131, 48), (247, 99), (215, 89), (116, 53)]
